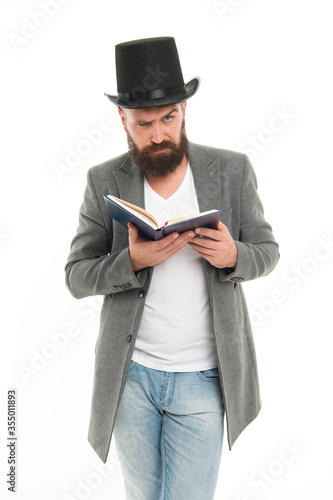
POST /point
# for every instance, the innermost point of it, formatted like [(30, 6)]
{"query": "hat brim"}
[(190, 89)]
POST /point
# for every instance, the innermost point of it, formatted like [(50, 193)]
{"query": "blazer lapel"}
[(129, 180), (207, 179)]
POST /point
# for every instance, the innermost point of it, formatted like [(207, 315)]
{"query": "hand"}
[(150, 253), (220, 251)]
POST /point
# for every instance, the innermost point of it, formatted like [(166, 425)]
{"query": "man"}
[(175, 350)]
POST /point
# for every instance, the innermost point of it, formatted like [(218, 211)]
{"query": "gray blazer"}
[(99, 264)]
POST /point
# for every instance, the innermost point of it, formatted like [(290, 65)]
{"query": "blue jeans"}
[(168, 434)]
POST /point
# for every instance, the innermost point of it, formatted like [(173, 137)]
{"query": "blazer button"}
[(129, 338), (141, 294)]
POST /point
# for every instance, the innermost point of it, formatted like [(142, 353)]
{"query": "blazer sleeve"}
[(92, 268), (258, 252)]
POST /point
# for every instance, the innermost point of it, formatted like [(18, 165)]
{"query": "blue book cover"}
[(125, 212)]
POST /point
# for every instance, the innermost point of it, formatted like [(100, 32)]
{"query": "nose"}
[(157, 133)]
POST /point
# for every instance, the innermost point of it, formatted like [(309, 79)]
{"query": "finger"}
[(132, 227), (133, 232), (179, 243), (222, 227), (180, 239), (166, 241), (214, 234), (202, 250), (204, 242)]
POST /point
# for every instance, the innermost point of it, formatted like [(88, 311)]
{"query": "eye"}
[(168, 119)]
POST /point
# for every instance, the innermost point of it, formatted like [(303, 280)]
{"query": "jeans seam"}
[(164, 461)]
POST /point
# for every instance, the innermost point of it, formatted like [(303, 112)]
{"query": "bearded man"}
[(175, 352)]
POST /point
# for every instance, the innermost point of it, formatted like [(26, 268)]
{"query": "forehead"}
[(148, 114)]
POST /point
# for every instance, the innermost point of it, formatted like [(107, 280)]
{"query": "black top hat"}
[(149, 74)]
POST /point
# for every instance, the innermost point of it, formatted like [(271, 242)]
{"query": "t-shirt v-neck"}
[(181, 203)]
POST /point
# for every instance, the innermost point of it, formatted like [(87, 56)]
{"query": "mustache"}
[(158, 147)]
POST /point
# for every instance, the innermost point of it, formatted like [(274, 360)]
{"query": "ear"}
[(122, 117)]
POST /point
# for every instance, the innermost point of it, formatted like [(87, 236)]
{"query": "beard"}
[(161, 164)]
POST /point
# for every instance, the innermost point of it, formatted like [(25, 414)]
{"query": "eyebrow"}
[(142, 122)]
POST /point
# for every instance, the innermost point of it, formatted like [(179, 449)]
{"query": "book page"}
[(139, 212), (176, 220)]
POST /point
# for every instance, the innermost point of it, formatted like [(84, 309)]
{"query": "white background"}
[(256, 59)]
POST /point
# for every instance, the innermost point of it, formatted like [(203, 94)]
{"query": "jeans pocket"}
[(132, 365), (209, 375)]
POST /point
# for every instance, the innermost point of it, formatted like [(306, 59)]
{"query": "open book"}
[(125, 212)]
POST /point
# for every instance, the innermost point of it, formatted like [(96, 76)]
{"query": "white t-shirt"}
[(176, 332)]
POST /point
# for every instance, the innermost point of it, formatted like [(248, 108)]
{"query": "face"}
[(156, 137)]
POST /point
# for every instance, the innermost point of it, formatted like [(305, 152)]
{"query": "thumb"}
[(132, 230), (221, 227)]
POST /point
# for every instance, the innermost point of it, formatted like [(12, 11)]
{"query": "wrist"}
[(233, 260), (135, 266)]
